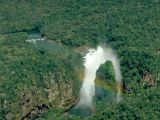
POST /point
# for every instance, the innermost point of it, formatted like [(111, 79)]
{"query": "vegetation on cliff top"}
[(130, 27)]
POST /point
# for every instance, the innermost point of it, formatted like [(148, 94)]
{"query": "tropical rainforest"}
[(42, 80)]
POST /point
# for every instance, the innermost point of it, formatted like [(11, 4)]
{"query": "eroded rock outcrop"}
[(148, 80), (58, 93)]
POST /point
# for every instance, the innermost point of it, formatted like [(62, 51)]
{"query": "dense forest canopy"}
[(41, 83)]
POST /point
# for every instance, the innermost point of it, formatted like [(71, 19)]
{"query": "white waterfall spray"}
[(92, 62)]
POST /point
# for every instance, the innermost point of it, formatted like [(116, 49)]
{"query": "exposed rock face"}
[(60, 92), (148, 80), (82, 48), (126, 88), (34, 100)]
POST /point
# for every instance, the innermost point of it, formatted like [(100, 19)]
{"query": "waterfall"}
[(92, 61)]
